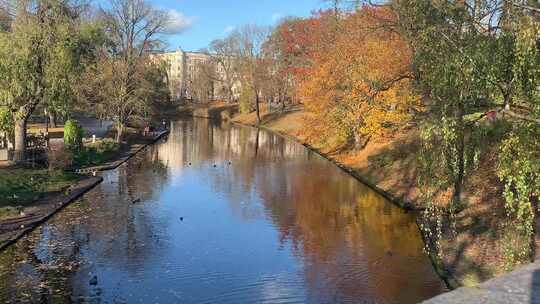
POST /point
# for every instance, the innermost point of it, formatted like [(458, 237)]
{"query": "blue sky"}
[(197, 22)]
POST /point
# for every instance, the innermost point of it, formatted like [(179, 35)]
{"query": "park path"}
[(93, 126)]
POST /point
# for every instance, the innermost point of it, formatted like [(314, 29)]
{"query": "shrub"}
[(96, 153), (73, 135), (105, 146)]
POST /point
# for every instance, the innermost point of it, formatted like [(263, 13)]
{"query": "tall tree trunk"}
[(257, 108), (119, 132), (458, 180), (52, 119), (507, 98), (19, 153), (360, 141), (231, 94)]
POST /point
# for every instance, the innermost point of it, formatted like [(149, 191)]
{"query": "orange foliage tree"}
[(295, 42), (361, 86)]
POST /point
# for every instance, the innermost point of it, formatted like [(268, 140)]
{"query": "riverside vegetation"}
[(61, 58), (434, 102)]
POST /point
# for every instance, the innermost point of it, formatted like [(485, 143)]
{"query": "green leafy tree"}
[(73, 135), (519, 153), (6, 126), (39, 56), (450, 58), (472, 58)]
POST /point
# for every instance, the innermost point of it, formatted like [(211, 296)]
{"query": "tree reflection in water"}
[(266, 220)]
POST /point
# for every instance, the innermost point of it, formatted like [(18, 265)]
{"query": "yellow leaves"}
[(363, 82)]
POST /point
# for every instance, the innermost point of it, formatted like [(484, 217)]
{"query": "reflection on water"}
[(226, 215)]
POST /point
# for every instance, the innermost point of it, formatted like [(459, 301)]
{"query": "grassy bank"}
[(21, 187), (473, 250), (96, 153)]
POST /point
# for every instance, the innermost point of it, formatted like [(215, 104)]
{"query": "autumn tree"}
[(203, 80), (296, 42), (282, 81), (109, 100), (361, 87)]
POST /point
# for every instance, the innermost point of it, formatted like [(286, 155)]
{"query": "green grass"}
[(22, 187), (95, 154)]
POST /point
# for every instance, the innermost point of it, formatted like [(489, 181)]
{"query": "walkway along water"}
[(221, 213), (521, 286)]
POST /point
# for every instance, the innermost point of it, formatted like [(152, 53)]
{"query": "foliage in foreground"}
[(41, 54), (473, 73)]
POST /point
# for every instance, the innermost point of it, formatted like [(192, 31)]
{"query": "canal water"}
[(218, 213)]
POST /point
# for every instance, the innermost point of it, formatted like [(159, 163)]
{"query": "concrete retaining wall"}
[(519, 286)]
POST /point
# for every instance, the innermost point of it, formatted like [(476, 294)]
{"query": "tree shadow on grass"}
[(271, 116), (395, 169)]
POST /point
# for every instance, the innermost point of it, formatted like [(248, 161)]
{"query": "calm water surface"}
[(226, 215)]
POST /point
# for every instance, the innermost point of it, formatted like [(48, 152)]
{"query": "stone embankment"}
[(518, 287)]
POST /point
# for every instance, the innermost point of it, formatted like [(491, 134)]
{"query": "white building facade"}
[(182, 69)]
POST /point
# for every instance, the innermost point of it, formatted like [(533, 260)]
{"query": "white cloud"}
[(229, 29), (178, 22), (276, 17)]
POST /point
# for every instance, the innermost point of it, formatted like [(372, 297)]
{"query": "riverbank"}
[(133, 145), (473, 250), (31, 196), (363, 165), (12, 228)]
